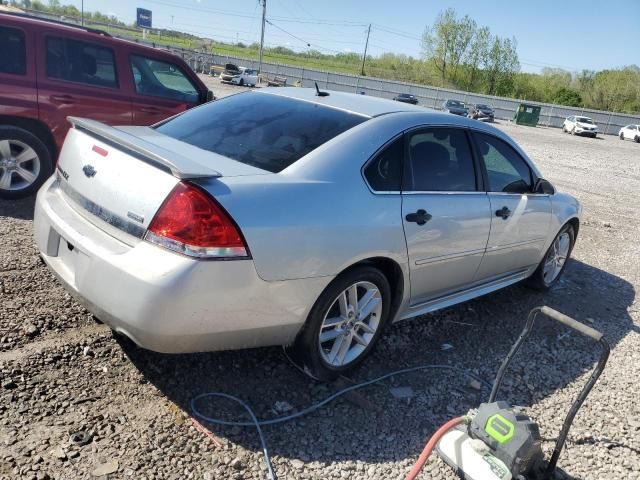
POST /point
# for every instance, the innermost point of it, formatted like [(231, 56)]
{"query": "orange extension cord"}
[(426, 453)]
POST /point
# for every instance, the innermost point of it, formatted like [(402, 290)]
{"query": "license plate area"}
[(68, 257)]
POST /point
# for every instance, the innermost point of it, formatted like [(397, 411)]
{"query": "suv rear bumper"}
[(164, 301)]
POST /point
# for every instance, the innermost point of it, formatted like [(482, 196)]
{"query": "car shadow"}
[(20, 208), (474, 336)]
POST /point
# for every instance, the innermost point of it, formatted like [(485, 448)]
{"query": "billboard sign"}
[(143, 18)]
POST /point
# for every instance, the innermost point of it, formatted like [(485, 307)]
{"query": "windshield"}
[(266, 131), (584, 120), (486, 107), (455, 103)]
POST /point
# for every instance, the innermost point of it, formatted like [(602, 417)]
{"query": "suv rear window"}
[(262, 130), (12, 53)]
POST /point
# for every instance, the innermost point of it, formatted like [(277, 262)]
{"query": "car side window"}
[(384, 172), (440, 160), (507, 171), (81, 62), (13, 57), (158, 78)]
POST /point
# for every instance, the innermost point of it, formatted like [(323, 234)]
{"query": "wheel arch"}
[(575, 223), (35, 127), (395, 276)]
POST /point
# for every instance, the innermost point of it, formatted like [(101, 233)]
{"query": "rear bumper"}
[(164, 301)]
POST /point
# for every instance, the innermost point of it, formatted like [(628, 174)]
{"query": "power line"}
[(308, 44)]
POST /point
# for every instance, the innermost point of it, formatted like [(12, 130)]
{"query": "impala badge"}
[(89, 171)]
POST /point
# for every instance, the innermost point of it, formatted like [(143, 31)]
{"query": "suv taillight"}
[(191, 222)]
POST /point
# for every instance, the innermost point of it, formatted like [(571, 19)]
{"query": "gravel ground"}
[(62, 373)]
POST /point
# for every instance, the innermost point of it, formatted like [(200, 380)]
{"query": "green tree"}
[(447, 41)]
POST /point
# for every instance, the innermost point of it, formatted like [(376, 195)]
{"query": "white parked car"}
[(630, 132), (246, 76), (578, 125)]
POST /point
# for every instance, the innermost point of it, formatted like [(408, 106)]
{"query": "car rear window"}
[(266, 131)]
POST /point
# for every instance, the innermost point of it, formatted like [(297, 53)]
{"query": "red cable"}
[(426, 453)]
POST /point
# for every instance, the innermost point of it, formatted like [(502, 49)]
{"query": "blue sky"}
[(573, 35)]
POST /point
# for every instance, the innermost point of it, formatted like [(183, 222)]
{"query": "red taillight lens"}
[(193, 223)]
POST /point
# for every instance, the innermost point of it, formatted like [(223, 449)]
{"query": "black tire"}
[(241, 82), (637, 139), (306, 350), (43, 157), (537, 281), (621, 136)]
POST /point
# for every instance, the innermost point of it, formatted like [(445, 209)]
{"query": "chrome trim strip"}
[(437, 192), (424, 261), (96, 210), (495, 248)]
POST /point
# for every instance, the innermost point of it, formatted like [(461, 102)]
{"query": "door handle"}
[(504, 213), (420, 217), (150, 110), (64, 99)]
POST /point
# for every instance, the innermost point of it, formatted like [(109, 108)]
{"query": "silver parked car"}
[(309, 221)]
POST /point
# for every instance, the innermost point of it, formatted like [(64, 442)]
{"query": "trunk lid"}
[(118, 177)]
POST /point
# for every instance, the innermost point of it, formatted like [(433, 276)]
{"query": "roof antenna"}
[(319, 93)]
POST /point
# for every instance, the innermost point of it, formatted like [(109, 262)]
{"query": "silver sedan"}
[(311, 220)]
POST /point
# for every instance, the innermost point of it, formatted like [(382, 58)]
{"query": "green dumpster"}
[(527, 114)]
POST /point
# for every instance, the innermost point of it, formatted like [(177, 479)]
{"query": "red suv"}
[(50, 70)]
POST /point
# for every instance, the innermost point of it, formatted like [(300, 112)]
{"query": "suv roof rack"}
[(58, 22)]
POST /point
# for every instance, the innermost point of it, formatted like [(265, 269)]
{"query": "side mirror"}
[(543, 186), (210, 96)]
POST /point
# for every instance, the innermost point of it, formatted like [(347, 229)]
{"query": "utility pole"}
[(366, 45), (264, 17), (82, 12)]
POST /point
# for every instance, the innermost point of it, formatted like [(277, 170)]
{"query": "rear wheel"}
[(344, 324), (555, 260), (25, 162), (621, 135), (241, 82), (637, 139)]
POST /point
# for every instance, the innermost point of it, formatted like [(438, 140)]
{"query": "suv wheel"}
[(344, 323), (25, 162)]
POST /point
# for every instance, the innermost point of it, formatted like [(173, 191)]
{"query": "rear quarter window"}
[(266, 131), (12, 51)]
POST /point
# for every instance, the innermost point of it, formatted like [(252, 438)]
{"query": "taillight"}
[(191, 222)]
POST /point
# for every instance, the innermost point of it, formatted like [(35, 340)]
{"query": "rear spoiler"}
[(174, 163)]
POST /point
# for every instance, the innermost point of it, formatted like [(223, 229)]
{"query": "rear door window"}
[(13, 57), (158, 78), (440, 160), (263, 130), (81, 62)]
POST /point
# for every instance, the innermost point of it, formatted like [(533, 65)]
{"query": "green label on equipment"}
[(499, 428)]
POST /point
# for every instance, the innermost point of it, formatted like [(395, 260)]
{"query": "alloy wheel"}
[(19, 165), (556, 257), (350, 324)]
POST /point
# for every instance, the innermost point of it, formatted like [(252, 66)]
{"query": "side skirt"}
[(463, 295)]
